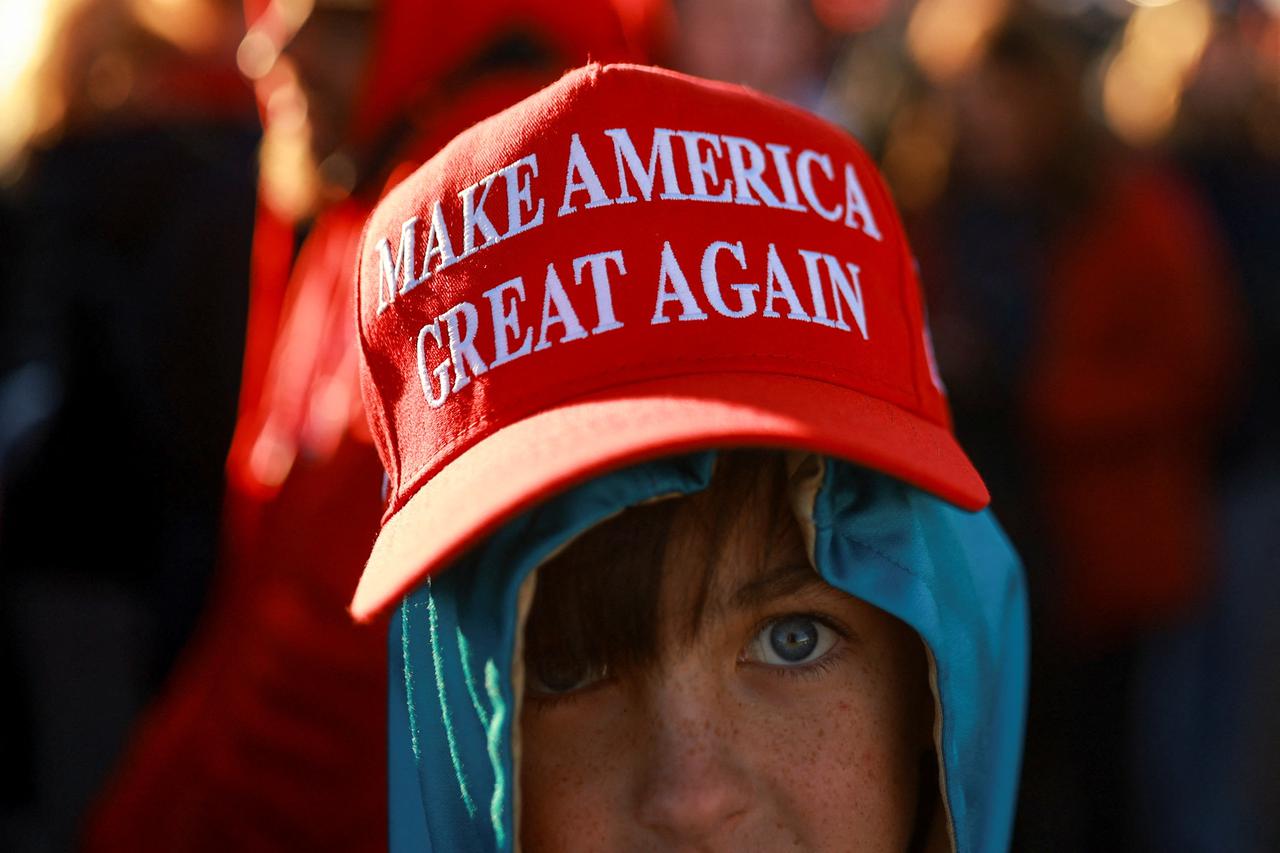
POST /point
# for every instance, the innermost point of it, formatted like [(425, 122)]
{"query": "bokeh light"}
[(1143, 80), (23, 28), (943, 36)]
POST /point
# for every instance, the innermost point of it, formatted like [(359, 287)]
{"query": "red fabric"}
[(270, 263), (253, 9), (271, 734), (450, 422), (208, 88), (1137, 357), (405, 72), (405, 80)]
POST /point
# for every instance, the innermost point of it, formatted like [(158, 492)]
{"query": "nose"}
[(694, 788)]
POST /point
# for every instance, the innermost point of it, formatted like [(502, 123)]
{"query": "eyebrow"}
[(777, 582)]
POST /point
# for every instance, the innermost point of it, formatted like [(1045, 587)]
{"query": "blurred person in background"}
[(127, 160), (272, 733), (779, 47), (1087, 328), (1217, 677)]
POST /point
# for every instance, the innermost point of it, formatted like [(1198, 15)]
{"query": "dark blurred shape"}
[(1218, 742), (779, 47), (1087, 324), (1228, 138), (134, 241), (127, 250)]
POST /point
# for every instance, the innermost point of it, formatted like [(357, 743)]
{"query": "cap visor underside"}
[(526, 462)]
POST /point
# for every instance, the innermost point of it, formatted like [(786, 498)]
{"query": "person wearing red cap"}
[(271, 735), (679, 548)]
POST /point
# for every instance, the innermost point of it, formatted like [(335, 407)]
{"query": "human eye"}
[(553, 680), (793, 641)]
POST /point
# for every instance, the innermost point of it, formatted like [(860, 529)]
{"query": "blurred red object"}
[(272, 733), (1136, 362), (852, 16)]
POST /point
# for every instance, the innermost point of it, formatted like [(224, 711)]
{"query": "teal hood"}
[(949, 574)]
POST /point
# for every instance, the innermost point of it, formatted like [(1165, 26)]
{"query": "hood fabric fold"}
[(454, 645)]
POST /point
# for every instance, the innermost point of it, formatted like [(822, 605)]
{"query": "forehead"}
[(735, 545)]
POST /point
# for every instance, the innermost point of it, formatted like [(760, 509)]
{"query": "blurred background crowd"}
[(187, 488)]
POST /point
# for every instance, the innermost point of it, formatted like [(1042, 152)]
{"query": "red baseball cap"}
[(628, 264)]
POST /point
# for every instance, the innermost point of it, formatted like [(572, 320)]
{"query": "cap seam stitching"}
[(834, 530), (483, 422), (379, 408)]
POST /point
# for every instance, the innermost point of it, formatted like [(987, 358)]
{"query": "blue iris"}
[(794, 638)]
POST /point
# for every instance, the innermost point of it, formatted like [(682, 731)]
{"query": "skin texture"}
[(718, 743)]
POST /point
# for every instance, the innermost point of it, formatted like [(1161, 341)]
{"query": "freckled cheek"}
[(572, 773), (834, 766)]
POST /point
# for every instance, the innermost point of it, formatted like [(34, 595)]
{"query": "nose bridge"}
[(684, 692), (692, 786)]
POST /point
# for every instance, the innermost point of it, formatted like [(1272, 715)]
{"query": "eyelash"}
[(543, 701), (809, 671), (813, 669)]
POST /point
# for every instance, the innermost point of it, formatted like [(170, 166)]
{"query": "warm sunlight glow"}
[(944, 36), (1142, 84), (24, 28)]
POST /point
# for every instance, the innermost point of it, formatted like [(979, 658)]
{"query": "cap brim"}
[(526, 462)]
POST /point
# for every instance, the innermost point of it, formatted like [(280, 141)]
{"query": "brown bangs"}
[(597, 604)]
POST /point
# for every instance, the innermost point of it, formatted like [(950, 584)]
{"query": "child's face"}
[(791, 716)]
